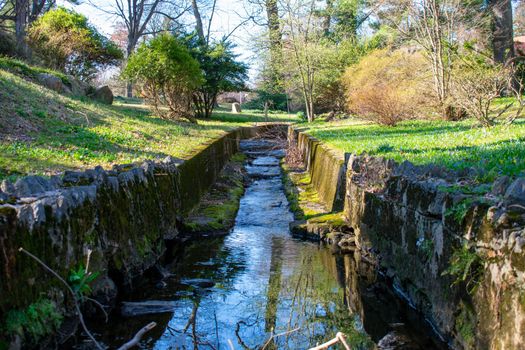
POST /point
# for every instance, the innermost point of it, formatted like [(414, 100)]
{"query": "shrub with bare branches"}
[(476, 83), (387, 87)]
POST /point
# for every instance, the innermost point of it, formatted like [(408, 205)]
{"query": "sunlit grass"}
[(498, 150), (44, 132)]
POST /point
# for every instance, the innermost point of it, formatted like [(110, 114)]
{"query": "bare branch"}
[(138, 336)]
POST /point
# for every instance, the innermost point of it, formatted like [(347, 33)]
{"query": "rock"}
[(7, 187), (347, 244), (354, 163), (396, 340), (76, 178), (31, 185), (198, 282), (236, 108), (52, 82), (298, 228), (161, 285), (103, 95), (516, 191), (105, 291), (78, 87), (129, 309), (500, 186), (158, 272), (330, 117)]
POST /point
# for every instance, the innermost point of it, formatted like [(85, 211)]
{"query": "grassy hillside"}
[(499, 150), (43, 132)]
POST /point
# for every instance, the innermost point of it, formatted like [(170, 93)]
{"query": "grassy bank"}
[(499, 150), (44, 132)]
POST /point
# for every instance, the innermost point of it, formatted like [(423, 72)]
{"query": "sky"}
[(228, 15)]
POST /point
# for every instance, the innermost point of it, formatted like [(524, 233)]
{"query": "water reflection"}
[(265, 283)]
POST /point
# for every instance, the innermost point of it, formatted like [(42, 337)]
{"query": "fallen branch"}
[(136, 339), (339, 338), (273, 336), (73, 294)]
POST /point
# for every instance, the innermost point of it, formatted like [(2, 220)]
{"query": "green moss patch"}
[(301, 194), (217, 209)]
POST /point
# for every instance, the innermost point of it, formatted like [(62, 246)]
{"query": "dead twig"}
[(339, 338), (138, 336), (273, 336)]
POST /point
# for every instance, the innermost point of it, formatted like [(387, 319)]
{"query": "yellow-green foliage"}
[(386, 87), (302, 197)]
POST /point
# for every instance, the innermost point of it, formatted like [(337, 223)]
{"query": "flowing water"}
[(236, 291)]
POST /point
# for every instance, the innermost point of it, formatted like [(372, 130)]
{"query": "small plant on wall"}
[(466, 266)]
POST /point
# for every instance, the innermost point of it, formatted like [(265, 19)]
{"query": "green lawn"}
[(499, 150), (43, 132)]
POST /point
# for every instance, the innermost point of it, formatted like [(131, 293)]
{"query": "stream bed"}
[(238, 290)]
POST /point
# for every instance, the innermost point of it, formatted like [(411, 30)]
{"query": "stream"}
[(238, 290)]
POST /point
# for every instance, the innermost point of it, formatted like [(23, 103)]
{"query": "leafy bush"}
[(7, 44), (476, 83), (386, 87), (32, 324), (66, 41), (168, 74)]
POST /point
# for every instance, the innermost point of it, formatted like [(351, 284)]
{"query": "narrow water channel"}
[(237, 290)]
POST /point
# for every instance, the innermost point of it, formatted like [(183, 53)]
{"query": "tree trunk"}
[(502, 30), (132, 42), (274, 32), (21, 18), (198, 20), (327, 18)]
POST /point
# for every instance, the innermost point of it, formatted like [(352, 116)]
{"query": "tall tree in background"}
[(502, 30)]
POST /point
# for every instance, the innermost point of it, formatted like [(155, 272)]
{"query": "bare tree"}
[(435, 26), (303, 30)]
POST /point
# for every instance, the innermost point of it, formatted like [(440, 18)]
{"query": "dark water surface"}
[(265, 281)]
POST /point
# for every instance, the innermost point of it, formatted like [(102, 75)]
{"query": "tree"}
[(66, 41), (221, 71), (502, 30), (136, 16), (168, 74), (305, 46)]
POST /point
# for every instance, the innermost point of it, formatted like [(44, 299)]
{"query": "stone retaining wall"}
[(123, 216), (326, 168), (413, 220)]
